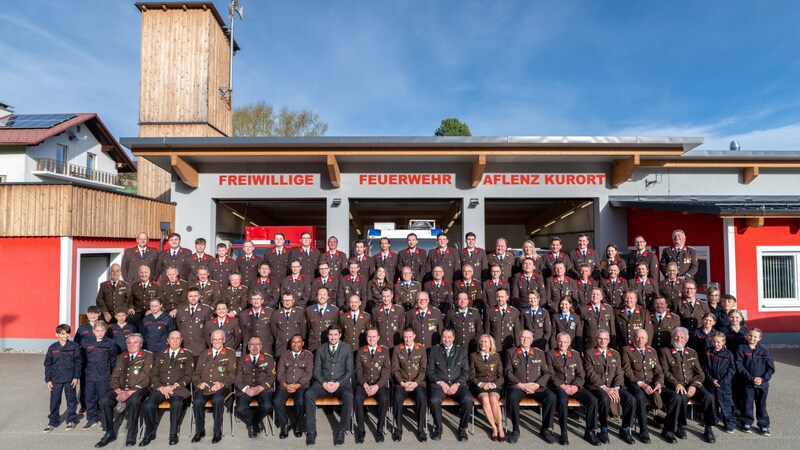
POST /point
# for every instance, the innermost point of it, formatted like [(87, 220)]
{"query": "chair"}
[(228, 404), (254, 404)]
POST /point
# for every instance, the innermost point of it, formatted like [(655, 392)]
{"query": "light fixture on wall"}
[(473, 203), (336, 202)]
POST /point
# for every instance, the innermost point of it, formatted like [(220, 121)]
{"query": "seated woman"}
[(486, 378)]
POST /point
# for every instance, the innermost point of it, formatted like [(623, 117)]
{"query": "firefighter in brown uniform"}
[(471, 286), (567, 379), (584, 285), (685, 257), (644, 379), (537, 320), (645, 287), (228, 325), (475, 257), (307, 255), (374, 288), (553, 256), (584, 255), (466, 322), (684, 377), (558, 286), (255, 321), (366, 265), (286, 322), (278, 257), (170, 380), (525, 282), (235, 295), (639, 255), (130, 383), (614, 286), (389, 319), (529, 251), (409, 368), (672, 288), (112, 293), (191, 322), (199, 259), (491, 285), (295, 371), (501, 257), (298, 285), (213, 377), (373, 368), (605, 380), (174, 292), (387, 259), (139, 296), (597, 316), (440, 290), (174, 256), (209, 289), (527, 375), (445, 257), (255, 380), (269, 287), (327, 280), (337, 261), (319, 317), (353, 283), (413, 257), (354, 323), (248, 263), (135, 257), (567, 320), (631, 318), (664, 322), (405, 291), (691, 310), (223, 266), (503, 322), (426, 321)]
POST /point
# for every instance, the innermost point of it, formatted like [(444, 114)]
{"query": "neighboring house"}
[(55, 148)]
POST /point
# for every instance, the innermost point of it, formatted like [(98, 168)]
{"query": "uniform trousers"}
[(253, 416), (344, 393), (585, 398), (420, 401), (95, 390), (217, 408), (55, 403), (701, 397), (758, 395), (134, 402), (150, 413), (626, 400), (547, 402), (383, 407), (462, 396), (299, 407)]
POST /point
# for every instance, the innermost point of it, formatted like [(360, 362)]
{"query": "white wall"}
[(76, 151), (12, 164)]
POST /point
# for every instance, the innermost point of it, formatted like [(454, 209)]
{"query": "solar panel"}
[(37, 120)]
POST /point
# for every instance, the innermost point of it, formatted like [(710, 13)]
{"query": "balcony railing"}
[(73, 170)]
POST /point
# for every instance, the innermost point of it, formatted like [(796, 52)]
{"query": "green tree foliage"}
[(261, 119), (452, 127)]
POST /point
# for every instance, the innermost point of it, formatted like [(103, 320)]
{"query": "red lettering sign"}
[(295, 179), (402, 179), (549, 179)]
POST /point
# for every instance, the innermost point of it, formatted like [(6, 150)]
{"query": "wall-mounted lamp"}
[(473, 203), (336, 202)]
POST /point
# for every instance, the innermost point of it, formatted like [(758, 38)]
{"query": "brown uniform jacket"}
[(583, 292), (613, 290), (407, 367), (477, 259), (504, 328), (298, 370), (449, 260), (337, 261), (192, 327), (262, 373), (132, 260), (565, 372), (441, 294), (662, 330), (556, 289), (506, 265), (646, 291), (692, 316), (627, 326), (643, 368), (373, 369), (269, 288), (648, 257), (551, 259), (278, 264), (180, 261), (374, 291), (390, 264), (366, 265), (350, 285), (236, 298), (415, 259), (538, 322), (354, 328), (428, 329), (481, 371), (168, 373), (109, 297), (467, 329), (684, 371), (473, 288), (672, 292), (197, 261), (538, 264), (230, 326), (174, 295), (406, 294), (299, 287), (570, 324), (391, 325), (521, 286), (132, 375), (139, 296), (283, 328), (331, 283), (318, 319), (248, 269), (252, 326), (577, 258), (603, 371), (209, 294), (620, 263), (532, 369), (490, 288), (309, 259), (592, 322), (686, 260), (220, 369)]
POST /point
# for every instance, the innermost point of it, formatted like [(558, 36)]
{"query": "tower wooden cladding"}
[(185, 61)]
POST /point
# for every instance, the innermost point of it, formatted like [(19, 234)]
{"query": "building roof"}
[(726, 206), (35, 136), (145, 6)]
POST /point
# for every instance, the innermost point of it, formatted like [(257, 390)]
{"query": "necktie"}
[(279, 253), (526, 356), (644, 353), (597, 310), (659, 318), (384, 258), (114, 284), (308, 252), (333, 351), (132, 356), (141, 253), (528, 279), (564, 355), (639, 255), (500, 258), (502, 313), (253, 359), (171, 356), (583, 252), (174, 253), (287, 315), (372, 353), (691, 304), (256, 314), (409, 351), (465, 314), (220, 322), (630, 313), (422, 315), (387, 312), (604, 354), (678, 251), (355, 318), (486, 358), (295, 355), (216, 352), (202, 286), (191, 311)]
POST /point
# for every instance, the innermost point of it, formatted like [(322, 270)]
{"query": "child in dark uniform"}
[(122, 329), (720, 367), (62, 371), (100, 353), (755, 365)]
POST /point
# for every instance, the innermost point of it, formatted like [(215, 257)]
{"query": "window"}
[(778, 273), (61, 158), (89, 163), (2, 178)]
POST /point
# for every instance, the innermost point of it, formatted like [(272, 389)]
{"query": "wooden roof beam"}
[(478, 168), (333, 171), (753, 222), (749, 174), (622, 169), (355, 218), (451, 215), (186, 172)]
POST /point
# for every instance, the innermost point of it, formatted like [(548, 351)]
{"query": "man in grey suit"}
[(448, 373), (333, 373)]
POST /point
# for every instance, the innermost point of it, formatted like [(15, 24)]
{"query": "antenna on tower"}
[(235, 8)]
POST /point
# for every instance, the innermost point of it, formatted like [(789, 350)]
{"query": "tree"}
[(261, 119), (452, 127)]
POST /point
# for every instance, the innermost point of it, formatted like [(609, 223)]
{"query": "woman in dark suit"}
[(486, 378), (375, 286)]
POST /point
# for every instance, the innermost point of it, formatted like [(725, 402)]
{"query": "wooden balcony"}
[(66, 170)]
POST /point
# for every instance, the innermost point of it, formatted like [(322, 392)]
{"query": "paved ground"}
[(24, 414)]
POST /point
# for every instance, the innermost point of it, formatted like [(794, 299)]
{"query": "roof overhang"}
[(723, 206)]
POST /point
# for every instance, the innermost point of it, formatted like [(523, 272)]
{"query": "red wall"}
[(701, 230), (30, 276), (774, 232)]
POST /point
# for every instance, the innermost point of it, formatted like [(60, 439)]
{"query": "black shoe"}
[(397, 436), (547, 436), (216, 438), (339, 439), (146, 441), (197, 437), (130, 441), (379, 436), (669, 436), (421, 436), (299, 433), (709, 435), (284, 433), (626, 437), (564, 439), (681, 432), (603, 436), (173, 440), (311, 438), (513, 437), (462, 434), (591, 437), (251, 432), (105, 440), (436, 434), (359, 437), (644, 437)]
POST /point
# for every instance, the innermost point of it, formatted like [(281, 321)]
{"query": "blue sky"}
[(718, 69)]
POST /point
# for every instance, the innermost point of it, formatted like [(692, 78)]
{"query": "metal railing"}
[(73, 170)]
